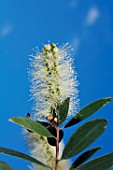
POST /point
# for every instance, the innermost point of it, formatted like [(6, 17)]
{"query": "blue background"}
[(25, 24)]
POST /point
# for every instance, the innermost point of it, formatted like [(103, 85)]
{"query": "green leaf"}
[(83, 157), (4, 166), (63, 110), (102, 163), (83, 137), (31, 125), (22, 156), (88, 111)]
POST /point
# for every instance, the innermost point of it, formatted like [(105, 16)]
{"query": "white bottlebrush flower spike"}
[(41, 150), (53, 79)]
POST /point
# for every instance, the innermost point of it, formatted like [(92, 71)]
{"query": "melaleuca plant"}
[(54, 91)]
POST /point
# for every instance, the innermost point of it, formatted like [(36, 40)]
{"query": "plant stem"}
[(57, 147)]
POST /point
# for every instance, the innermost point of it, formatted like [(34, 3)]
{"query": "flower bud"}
[(56, 120), (49, 117), (47, 47)]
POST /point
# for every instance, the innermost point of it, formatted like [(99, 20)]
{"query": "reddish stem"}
[(57, 147)]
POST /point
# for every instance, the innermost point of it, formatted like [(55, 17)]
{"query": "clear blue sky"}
[(25, 24)]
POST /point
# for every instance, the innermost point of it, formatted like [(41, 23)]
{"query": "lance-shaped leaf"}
[(83, 137), (83, 157), (88, 111), (63, 110), (31, 125), (102, 163), (22, 156), (4, 166)]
